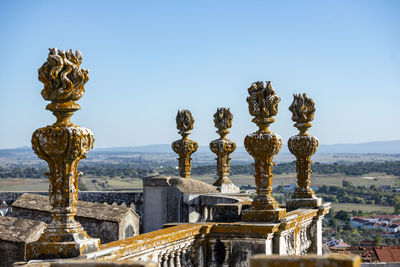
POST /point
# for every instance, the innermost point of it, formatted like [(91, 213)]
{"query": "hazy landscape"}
[(357, 183)]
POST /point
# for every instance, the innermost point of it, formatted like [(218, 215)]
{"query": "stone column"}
[(283, 242), (184, 147), (303, 146), (223, 147), (263, 145), (316, 229), (171, 259), (177, 259), (62, 145), (164, 260)]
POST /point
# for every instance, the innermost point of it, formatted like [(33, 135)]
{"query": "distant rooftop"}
[(20, 230), (85, 209)]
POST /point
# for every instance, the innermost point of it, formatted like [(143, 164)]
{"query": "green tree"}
[(342, 215), (346, 183), (377, 240), (397, 204)]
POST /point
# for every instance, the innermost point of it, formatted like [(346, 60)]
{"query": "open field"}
[(105, 183), (23, 184), (363, 207), (376, 179)]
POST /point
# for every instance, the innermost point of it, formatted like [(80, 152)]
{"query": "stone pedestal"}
[(228, 189), (296, 203), (263, 215), (77, 245)]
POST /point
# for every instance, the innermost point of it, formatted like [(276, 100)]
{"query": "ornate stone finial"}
[(303, 109), (263, 102), (263, 145), (223, 119), (223, 147), (64, 82), (184, 147), (184, 122), (62, 145), (303, 146)]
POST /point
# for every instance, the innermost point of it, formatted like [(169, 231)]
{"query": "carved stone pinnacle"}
[(62, 145), (223, 146), (303, 146), (263, 145), (184, 147)]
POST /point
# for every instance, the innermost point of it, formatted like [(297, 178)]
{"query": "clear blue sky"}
[(147, 59)]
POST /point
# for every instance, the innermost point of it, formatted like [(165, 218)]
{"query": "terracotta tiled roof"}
[(366, 254), (372, 254), (388, 254)]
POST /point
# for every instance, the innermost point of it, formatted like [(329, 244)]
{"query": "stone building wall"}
[(14, 234), (107, 222)]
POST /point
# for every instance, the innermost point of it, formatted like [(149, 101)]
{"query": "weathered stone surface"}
[(228, 188), (329, 260), (296, 203), (107, 222), (14, 234)]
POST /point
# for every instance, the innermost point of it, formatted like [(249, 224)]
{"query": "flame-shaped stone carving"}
[(263, 145), (62, 76), (263, 101), (223, 147), (62, 145), (184, 147), (303, 146), (223, 119), (303, 109), (184, 121)]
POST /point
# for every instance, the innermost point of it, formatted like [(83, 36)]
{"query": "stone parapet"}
[(222, 243), (162, 246)]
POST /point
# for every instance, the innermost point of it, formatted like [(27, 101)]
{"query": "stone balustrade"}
[(168, 247), (221, 243)]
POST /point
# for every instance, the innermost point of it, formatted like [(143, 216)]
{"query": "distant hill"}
[(384, 147)]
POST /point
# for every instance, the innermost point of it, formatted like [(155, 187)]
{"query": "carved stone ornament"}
[(184, 147), (263, 102), (223, 146), (263, 145), (62, 145), (303, 146)]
